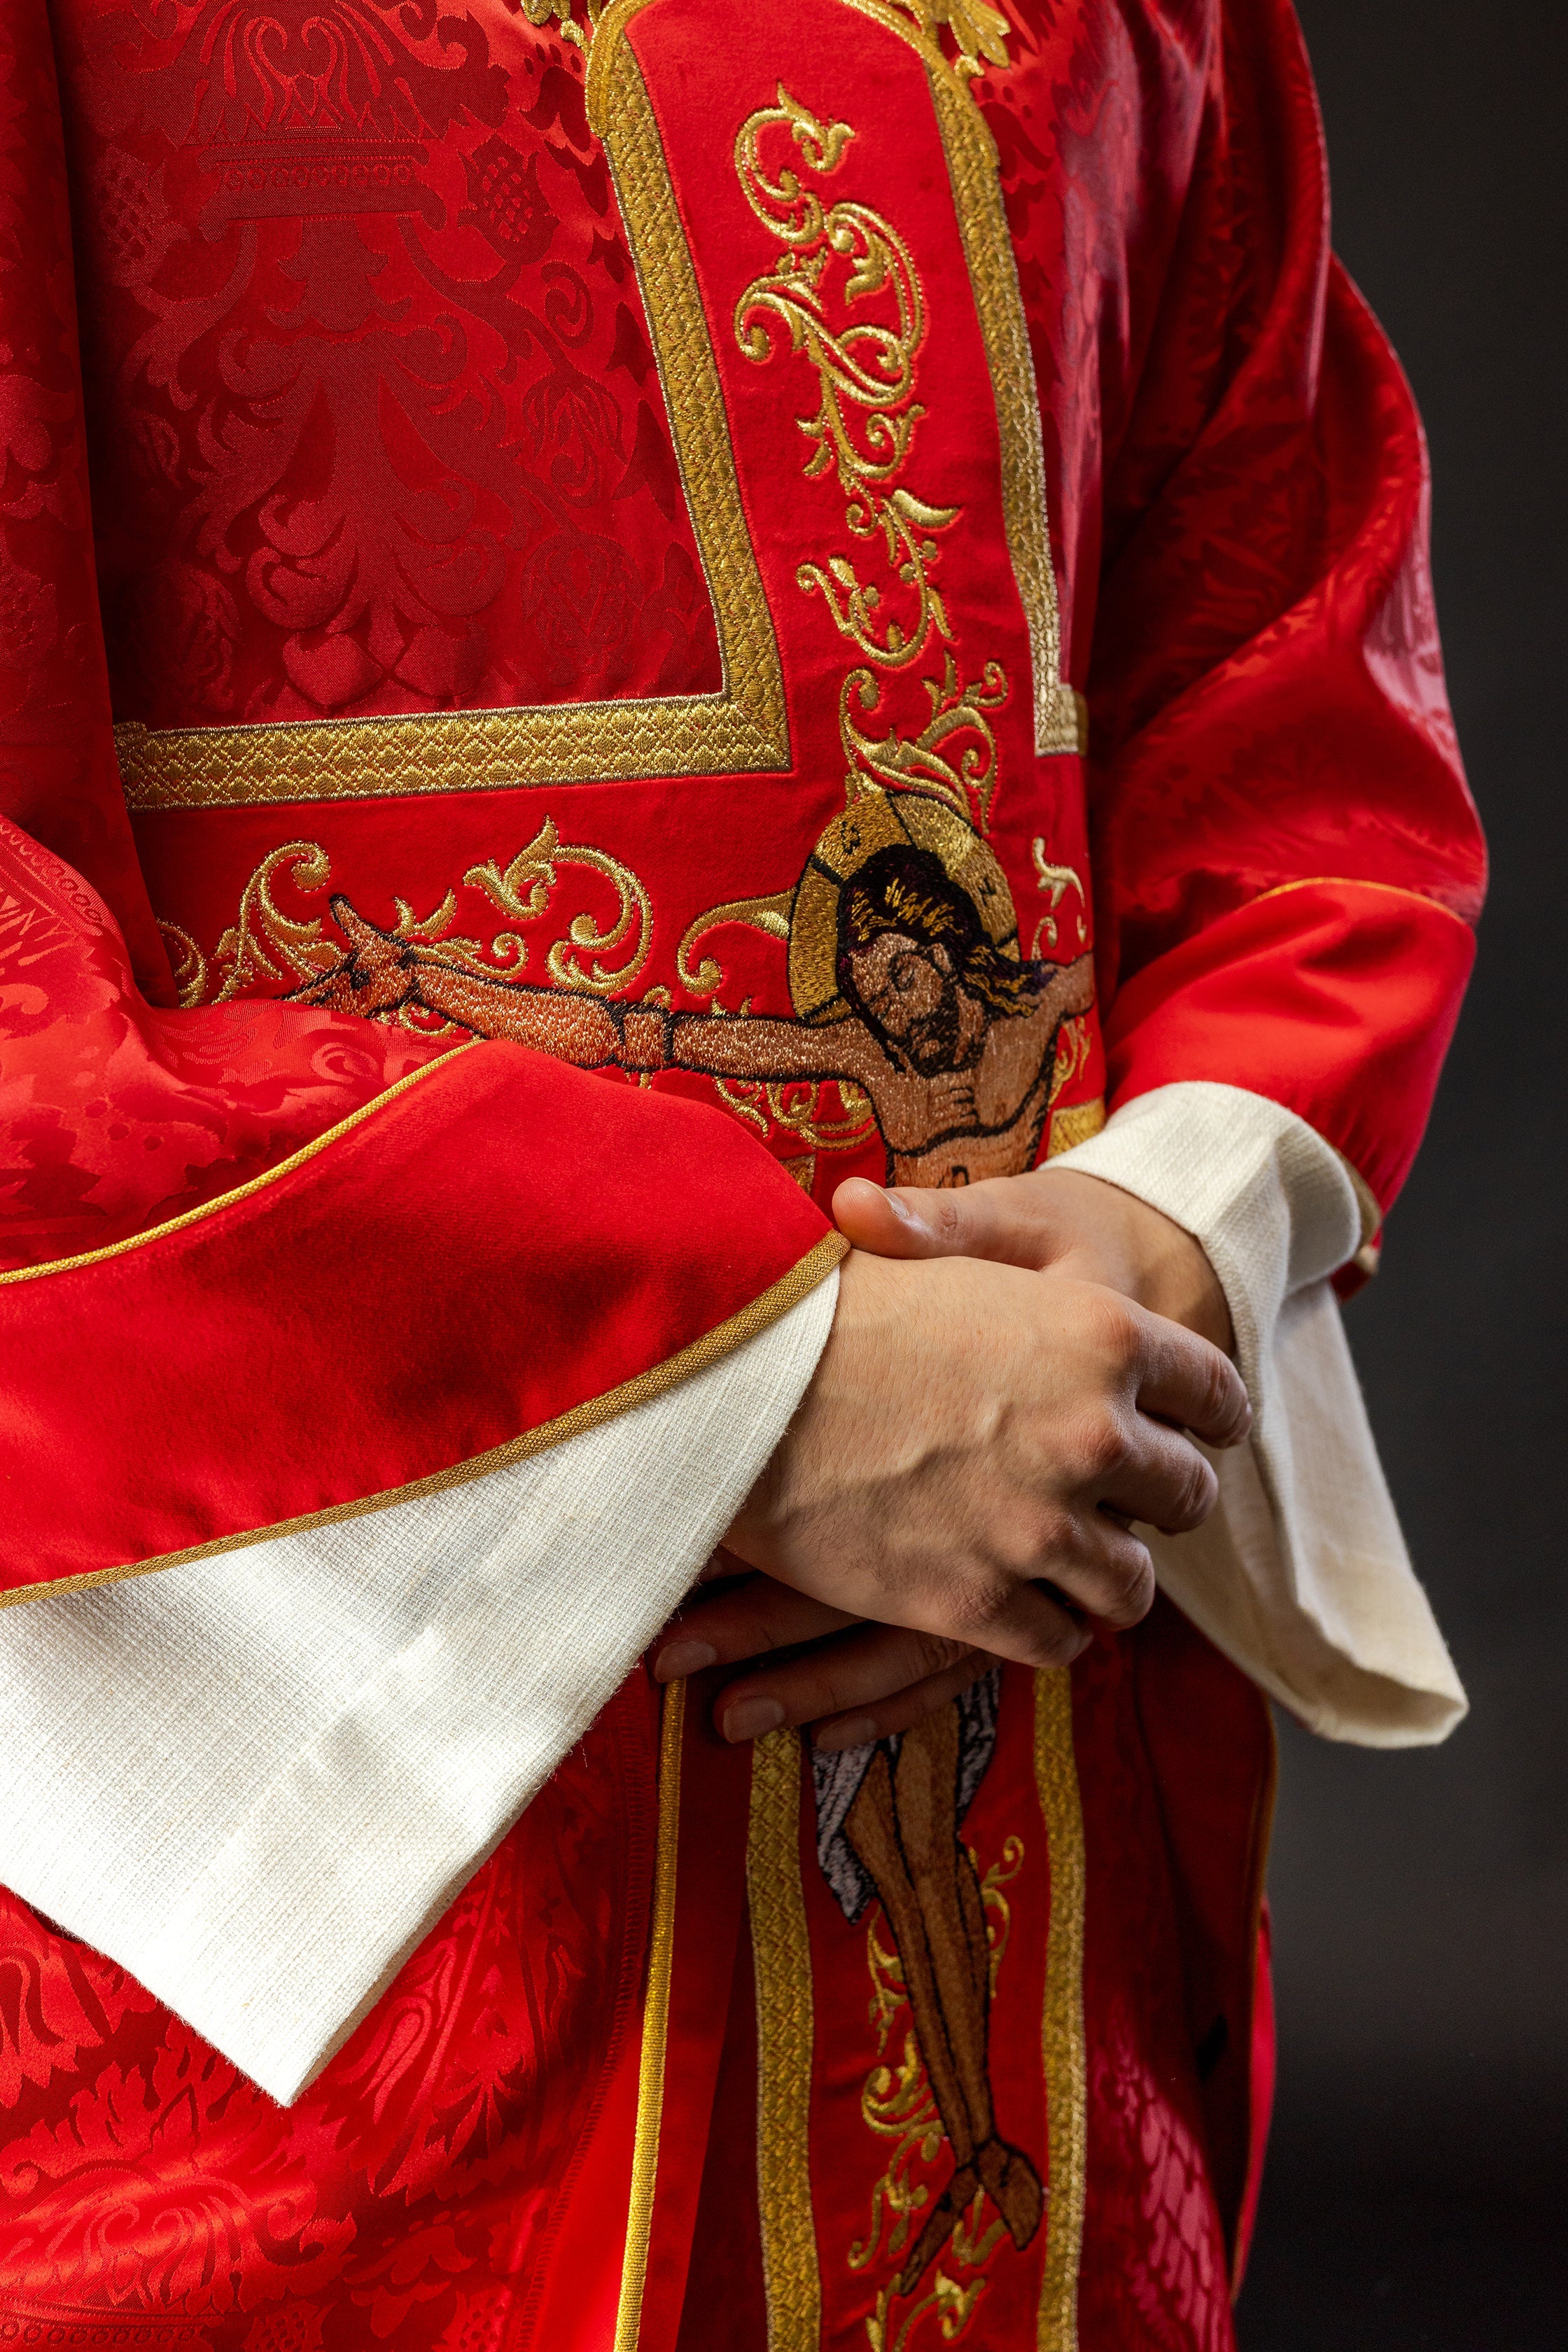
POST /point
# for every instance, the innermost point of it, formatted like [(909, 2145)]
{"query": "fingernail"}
[(678, 1659), (903, 1209), (859, 1732), (750, 1717)]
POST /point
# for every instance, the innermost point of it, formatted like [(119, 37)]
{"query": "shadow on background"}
[(1418, 2188)]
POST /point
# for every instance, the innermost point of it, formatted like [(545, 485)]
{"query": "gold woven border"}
[(1061, 714), (654, 2024), (741, 727), (782, 1958), (722, 1342), (1063, 2044)]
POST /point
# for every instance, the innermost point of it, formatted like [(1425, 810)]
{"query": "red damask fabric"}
[(211, 1383), (1243, 513), (373, 429)]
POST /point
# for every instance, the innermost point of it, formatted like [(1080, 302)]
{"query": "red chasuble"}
[(605, 621)]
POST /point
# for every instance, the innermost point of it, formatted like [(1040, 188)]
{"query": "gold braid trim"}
[(654, 2026), (742, 728), (1063, 2044), (241, 1191), (782, 1957)]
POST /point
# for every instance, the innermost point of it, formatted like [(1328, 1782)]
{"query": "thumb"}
[(999, 1218)]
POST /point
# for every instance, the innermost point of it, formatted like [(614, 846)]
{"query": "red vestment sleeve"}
[(1287, 860), (263, 1263)]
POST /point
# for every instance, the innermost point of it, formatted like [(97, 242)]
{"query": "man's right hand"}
[(972, 1436)]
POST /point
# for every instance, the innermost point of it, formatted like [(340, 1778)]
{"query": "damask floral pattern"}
[(378, 428), (144, 2181)]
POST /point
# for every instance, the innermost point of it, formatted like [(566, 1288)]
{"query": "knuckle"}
[(976, 1610), (949, 1217), (1055, 1643), (1130, 1578), (1115, 1328), (1100, 1446)]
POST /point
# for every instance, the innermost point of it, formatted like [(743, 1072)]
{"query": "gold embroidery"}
[(1063, 2045), (979, 30), (187, 964), (1060, 720), (1075, 1125), (713, 1345), (1057, 880), (952, 760), (265, 946), (741, 727), (867, 364), (654, 2024), (536, 865), (780, 1952), (541, 13), (768, 915), (262, 944)]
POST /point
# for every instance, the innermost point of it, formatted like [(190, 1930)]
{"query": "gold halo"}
[(879, 820)]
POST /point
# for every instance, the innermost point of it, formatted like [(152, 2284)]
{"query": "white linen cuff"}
[(256, 1780), (1302, 1576)]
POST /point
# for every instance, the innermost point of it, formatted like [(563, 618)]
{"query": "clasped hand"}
[(1016, 1373)]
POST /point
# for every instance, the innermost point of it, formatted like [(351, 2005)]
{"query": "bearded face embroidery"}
[(905, 971)]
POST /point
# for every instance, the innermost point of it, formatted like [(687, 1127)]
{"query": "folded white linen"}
[(1302, 1576), (256, 1779)]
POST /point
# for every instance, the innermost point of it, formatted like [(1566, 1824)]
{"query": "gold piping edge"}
[(740, 730), (1358, 882), (1064, 2050), (781, 1951), (654, 2026), (241, 1191), (1061, 714), (710, 1349)]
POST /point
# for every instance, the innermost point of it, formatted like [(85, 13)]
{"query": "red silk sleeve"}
[(1287, 860), (263, 1263)]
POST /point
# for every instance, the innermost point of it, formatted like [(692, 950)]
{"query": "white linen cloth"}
[(256, 1780), (1302, 1576)]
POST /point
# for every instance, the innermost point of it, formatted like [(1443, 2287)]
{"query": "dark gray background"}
[(1418, 2185)]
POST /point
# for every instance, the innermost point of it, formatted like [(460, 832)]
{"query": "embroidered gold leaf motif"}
[(897, 2102), (845, 291), (264, 946), (979, 30), (953, 759), (1056, 879), (597, 955)]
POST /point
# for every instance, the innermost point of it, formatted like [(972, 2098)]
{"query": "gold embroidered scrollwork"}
[(953, 759), (897, 2104), (866, 369), (585, 936), (266, 948), (1057, 880)]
